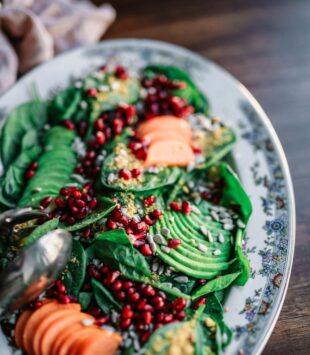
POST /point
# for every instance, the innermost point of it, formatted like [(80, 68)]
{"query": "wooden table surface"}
[(266, 45)]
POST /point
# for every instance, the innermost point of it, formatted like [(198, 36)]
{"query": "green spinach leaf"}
[(25, 117), (74, 273), (104, 298), (84, 298)]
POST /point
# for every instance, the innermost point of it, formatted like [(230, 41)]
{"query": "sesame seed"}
[(181, 279), (217, 252), (221, 238), (202, 247), (83, 104), (87, 322), (153, 247), (165, 249), (214, 215), (210, 237), (36, 189), (155, 267), (167, 284), (226, 221), (240, 224), (165, 231), (111, 178), (161, 269), (136, 218), (204, 231), (228, 227), (159, 239), (149, 238)]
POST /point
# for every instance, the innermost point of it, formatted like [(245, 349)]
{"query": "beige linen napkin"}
[(33, 31)]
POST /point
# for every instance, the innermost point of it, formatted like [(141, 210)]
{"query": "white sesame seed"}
[(210, 237), (83, 104), (195, 209), (217, 252), (226, 221), (181, 279), (165, 249), (208, 218), (240, 224), (87, 322), (221, 238), (159, 239), (202, 247), (136, 218), (165, 231), (149, 238), (215, 216), (111, 178), (155, 267), (161, 269), (228, 227), (153, 247), (36, 189), (167, 284), (204, 231)]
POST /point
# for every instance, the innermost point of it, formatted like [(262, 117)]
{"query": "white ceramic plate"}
[(252, 310)]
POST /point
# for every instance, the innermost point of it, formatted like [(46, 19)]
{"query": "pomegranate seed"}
[(127, 312), (111, 225), (149, 308), (77, 194), (99, 124), (91, 154), (141, 305), (168, 318), (206, 195), (146, 250), (93, 203), (147, 317), (127, 285), (147, 220), (117, 125), (139, 243), (179, 304), (140, 326), (120, 73), (145, 336), (63, 218), (156, 214), (149, 291), (29, 174), (100, 137), (46, 201), (135, 172), (104, 270), (134, 146), (34, 165), (70, 220), (176, 207), (69, 124), (141, 153), (74, 210), (60, 287), (159, 316), (95, 312), (87, 232), (124, 174), (37, 304), (186, 207), (124, 220), (157, 326), (125, 323), (63, 191), (102, 320), (117, 285), (80, 204), (113, 277), (103, 68), (92, 92), (158, 302), (199, 303), (120, 296), (59, 202), (174, 243), (149, 201), (82, 128), (63, 299), (133, 297), (161, 294), (180, 315), (202, 282)]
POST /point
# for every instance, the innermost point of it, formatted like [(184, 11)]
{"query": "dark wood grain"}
[(266, 44)]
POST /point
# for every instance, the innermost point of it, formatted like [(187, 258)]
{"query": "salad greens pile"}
[(155, 249)]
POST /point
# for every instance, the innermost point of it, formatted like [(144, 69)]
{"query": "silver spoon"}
[(34, 270)]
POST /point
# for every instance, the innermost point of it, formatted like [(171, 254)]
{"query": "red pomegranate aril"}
[(46, 201), (179, 304), (92, 92), (91, 154), (175, 206), (134, 297), (100, 137), (135, 172), (37, 304), (117, 126), (120, 296), (157, 326), (174, 243), (168, 318), (159, 316), (146, 250), (149, 308), (138, 243), (124, 174), (90, 269), (202, 282), (95, 312), (117, 285), (141, 305), (186, 207), (102, 320), (199, 303), (29, 174), (206, 195), (93, 203), (161, 294), (63, 217), (134, 146), (63, 299), (114, 275), (99, 124), (148, 220), (156, 214), (74, 210), (80, 203), (82, 213), (104, 270), (34, 165), (127, 312), (149, 201), (147, 317), (60, 287), (127, 285), (180, 315), (120, 73), (149, 291), (63, 191), (124, 220), (140, 326), (82, 128), (158, 303), (111, 225), (125, 323), (69, 124), (131, 290), (70, 220), (145, 336), (141, 153), (59, 202), (87, 232)]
